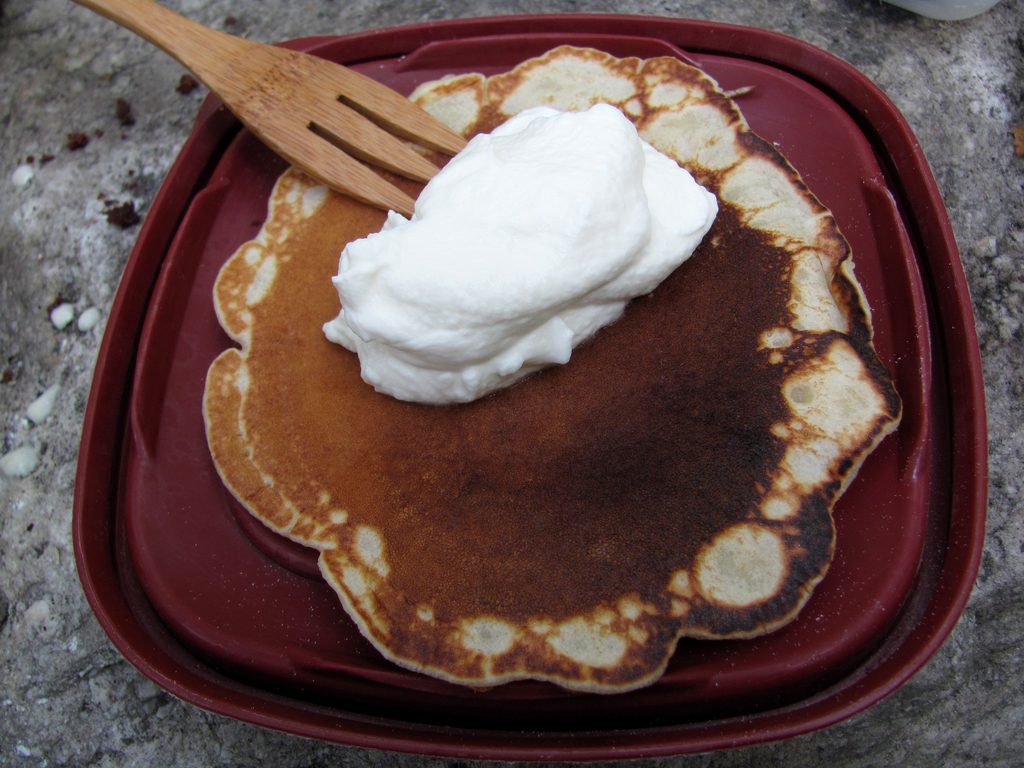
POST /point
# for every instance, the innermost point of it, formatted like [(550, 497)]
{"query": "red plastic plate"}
[(226, 615)]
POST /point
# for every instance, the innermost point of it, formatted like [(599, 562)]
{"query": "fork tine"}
[(331, 166), (366, 141), (348, 175), (391, 110)]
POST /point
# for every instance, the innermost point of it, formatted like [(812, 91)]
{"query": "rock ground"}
[(68, 698)]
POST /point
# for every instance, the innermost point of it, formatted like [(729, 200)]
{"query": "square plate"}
[(225, 614)]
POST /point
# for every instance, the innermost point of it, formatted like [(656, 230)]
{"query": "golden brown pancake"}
[(676, 478)]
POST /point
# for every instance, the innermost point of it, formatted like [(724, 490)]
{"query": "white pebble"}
[(88, 319), (38, 617), (22, 175), (23, 750), (41, 408), (61, 315), (20, 462)]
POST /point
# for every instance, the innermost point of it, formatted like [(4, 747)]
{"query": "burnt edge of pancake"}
[(746, 578)]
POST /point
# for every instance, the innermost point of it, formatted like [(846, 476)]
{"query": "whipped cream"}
[(526, 243)]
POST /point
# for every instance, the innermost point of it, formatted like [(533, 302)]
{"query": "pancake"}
[(676, 478)]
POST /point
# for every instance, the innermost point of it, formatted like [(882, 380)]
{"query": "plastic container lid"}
[(169, 563)]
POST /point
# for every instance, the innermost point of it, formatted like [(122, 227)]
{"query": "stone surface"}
[(73, 170)]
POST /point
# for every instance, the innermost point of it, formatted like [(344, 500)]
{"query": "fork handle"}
[(200, 49)]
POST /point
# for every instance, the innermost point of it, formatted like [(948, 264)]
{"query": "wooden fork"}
[(321, 117)]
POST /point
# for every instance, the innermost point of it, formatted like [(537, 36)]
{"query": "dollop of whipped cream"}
[(526, 243)]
